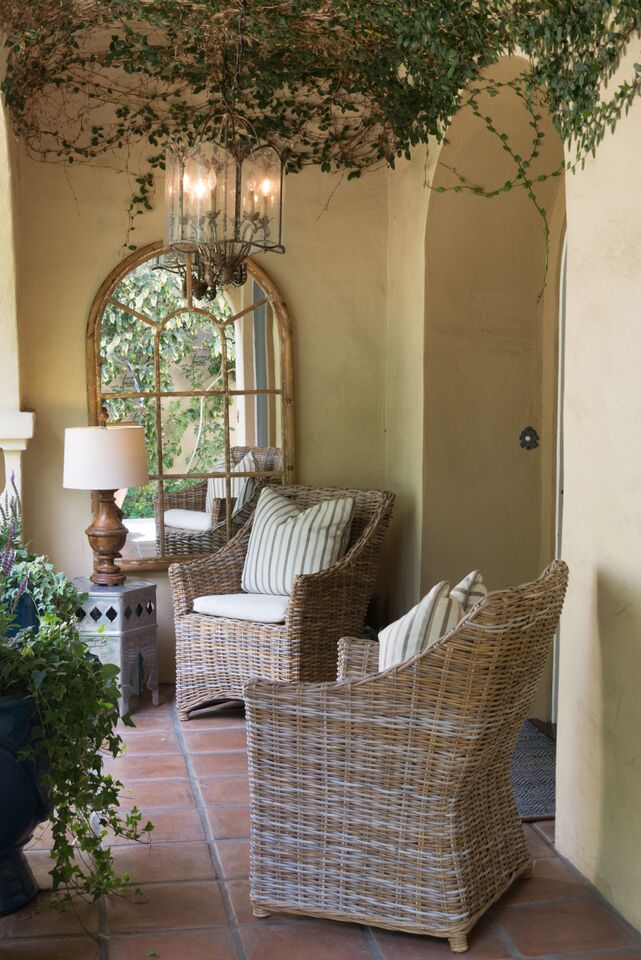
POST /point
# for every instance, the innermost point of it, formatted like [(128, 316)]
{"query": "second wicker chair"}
[(385, 799), (216, 656)]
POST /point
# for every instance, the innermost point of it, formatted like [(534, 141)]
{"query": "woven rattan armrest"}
[(287, 721), (356, 658), (218, 573)]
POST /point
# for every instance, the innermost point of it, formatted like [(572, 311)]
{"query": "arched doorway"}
[(491, 358)]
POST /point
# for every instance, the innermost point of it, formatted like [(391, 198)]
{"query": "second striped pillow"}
[(425, 623)]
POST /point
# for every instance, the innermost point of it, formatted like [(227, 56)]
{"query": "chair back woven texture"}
[(387, 800), (182, 543), (215, 657)]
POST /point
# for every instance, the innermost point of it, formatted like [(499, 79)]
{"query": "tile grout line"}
[(502, 936), (594, 892), (202, 810), (374, 948)]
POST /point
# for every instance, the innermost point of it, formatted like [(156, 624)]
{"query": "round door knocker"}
[(529, 438)]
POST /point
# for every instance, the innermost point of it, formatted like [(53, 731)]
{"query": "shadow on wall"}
[(395, 594), (618, 613)]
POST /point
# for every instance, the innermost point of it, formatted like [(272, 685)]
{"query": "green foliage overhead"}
[(344, 84)]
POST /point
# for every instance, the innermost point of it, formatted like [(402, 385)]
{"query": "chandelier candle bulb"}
[(224, 203)]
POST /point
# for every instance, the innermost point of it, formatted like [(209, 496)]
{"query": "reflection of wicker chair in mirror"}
[(180, 542), (216, 656), (385, 798)]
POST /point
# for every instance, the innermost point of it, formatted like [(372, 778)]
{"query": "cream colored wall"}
[(16, 427), (463, 326), (333, 279), (490, 359), (9, 370), (72, 224), (407, 203), (599, 744)]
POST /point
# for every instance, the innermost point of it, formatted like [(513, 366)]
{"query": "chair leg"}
[(458, 943), (259, 912), (183, 715)]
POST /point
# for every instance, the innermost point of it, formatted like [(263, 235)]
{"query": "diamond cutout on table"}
[(111, 614), (140, 610), (95, 614), (128, 612), (81, 614), (150, 607)]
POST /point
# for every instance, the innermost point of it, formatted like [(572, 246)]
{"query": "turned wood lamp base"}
[(105, 459), (107, 536)]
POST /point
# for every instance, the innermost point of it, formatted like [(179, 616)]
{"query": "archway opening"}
[(491, 358)]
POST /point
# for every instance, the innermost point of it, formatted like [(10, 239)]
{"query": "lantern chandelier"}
[(224, 203), (224, 196)]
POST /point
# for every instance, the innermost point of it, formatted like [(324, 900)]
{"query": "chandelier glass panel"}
[(224, 203)]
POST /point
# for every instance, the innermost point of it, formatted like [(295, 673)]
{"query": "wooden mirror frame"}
[(285, 391)]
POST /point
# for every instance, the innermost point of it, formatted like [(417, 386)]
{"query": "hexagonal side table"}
[(119, 625)]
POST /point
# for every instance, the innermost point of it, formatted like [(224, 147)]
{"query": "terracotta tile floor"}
[(190, 779)]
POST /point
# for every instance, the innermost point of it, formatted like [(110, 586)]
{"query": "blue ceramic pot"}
[(26, 615), (23, 803)]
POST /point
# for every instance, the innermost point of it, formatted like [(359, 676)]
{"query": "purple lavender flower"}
[(24, 583), (7, 559)]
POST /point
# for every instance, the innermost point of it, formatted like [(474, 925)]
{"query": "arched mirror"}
[(211, 383)]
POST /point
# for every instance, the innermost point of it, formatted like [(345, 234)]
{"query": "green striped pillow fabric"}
[(470, 590), (286, 541), (425, 623)]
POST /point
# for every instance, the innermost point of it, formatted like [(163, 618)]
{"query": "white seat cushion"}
[(257, 607), (470, 590), (242, 488), (286, 541), (197, 520), (425, 623)]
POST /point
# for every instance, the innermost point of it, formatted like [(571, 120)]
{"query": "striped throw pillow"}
[(425, 623), (286, 541), (470, 590), (242, 488)]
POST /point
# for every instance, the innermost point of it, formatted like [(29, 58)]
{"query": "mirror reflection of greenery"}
[(190, 357)]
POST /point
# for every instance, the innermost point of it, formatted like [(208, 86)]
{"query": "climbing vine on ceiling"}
[(344, 84)]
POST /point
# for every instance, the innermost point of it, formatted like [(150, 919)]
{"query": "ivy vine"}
[(346, 85)]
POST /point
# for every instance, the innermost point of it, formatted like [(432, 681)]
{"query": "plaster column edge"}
[(16, 429)]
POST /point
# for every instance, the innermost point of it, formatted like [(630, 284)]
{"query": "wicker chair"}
[(385, 799), (184, 543), (215, 656)]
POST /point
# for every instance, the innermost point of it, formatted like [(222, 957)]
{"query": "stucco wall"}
[(72, 225), (599, 747), (408, 200), (490, 359), (16, 427), (471, 360), (9, 373)]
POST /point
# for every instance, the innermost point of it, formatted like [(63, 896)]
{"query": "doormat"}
[(533, 774)]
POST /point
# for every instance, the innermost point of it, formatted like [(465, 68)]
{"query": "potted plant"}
[(58, 715)]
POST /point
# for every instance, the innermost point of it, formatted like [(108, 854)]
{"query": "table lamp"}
[(105, 459)]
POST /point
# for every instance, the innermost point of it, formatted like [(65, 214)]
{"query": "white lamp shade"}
[(105, 458)]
